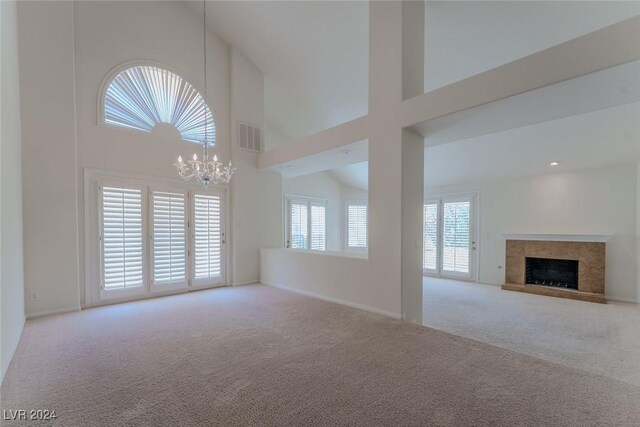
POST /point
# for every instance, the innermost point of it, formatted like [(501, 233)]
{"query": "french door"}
[(208, 240), (450, 237), (155, 239)]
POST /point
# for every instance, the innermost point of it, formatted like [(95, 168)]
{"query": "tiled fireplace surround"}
[(589, 254)]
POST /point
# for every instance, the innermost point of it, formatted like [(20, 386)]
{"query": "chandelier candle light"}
[(205, 171)]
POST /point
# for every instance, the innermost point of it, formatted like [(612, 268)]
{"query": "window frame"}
[(309, 201), (346, 247)]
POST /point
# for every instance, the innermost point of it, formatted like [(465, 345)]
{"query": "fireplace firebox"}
[(561, 273)]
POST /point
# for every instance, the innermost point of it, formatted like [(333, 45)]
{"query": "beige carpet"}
[(256, 355), (601, 338)]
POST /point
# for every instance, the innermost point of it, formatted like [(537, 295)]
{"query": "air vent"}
[(249, 137)]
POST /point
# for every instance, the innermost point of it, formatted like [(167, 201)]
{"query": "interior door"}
[(208, 241), (449, 237)]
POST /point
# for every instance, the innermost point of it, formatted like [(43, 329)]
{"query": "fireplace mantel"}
[(599, 238)]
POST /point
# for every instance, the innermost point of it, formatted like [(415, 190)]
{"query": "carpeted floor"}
[(601, 338), (255, 355)]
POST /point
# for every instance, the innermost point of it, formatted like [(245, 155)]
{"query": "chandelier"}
[(205, 171)]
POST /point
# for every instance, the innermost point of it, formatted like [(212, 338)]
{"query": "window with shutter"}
[(298, 224), (169, 238), (149, 237), (456, 235), (318, 224), (122, 239), (207, 237), (356, 225), (306, 223), (430, 247)]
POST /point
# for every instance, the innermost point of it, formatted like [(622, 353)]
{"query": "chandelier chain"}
[(204, 56), (204, 171)]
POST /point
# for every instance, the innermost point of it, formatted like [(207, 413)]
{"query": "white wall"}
[(465, 38), (332, 277), (49, 147), (595, 201), (352, 193), (638, 234), (67, 51), (12, 315), (252, 228)]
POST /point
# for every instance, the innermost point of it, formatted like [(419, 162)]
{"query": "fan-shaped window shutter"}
[(122, 240), (169, 238), (140, 97), (207, 237), (356, 225)]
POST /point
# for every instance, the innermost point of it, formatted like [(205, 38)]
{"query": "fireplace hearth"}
[(560, 273)]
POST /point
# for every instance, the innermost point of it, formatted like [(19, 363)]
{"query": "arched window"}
[(142, 96)]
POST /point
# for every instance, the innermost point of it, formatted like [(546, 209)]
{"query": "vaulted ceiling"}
[(314, 54), (314, 57)]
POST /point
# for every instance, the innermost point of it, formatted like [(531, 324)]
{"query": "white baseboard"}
[(619, 299), (50, 312), (250, 282), (336, 300), (12, 352)]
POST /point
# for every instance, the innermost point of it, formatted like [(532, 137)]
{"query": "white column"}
[(412, 224), (395, 163), (412, 48)]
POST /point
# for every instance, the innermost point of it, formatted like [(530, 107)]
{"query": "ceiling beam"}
[(325, 140), (613, 45)]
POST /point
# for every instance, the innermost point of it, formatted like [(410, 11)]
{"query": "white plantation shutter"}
[(318, 224), (122, 240), (456, 236), (430, 247), (298, 224), (356, 226), (169, 238), (207, 237), (306, 223)]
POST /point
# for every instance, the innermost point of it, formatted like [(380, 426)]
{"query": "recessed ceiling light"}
[(291, 166), (554, 163)]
